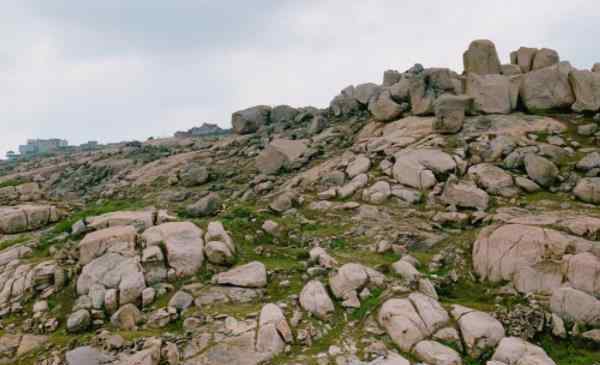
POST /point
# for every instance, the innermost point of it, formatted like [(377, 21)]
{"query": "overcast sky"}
[(115, 70)]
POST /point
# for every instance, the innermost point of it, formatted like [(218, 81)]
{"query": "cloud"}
[(113, 70)]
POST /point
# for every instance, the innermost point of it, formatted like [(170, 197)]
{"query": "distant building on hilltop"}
[(41, 146), (11, 155), (204, 130), (88, 146)]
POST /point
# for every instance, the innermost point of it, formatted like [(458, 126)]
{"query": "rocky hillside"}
[(435, 218)]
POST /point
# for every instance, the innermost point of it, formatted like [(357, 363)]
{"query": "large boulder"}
[(384, 108), (127, 317), (358, 165), (493, 179), (194, 176), (426, 86), (250, 120), (465, 194), (78, 321), (113, 271), (206, 206), (23, 218), (421, 168), (516, 351), (480, 331), (410, 320), (140, 219), (588, 190), (182, 242), (315, 300), (344, 104), (283, 114), (534, 258), (540, 169), (274, 332), (481, 58), (280, 153), (117, 239), (251, 275), (435, 353), (545, 57), (547, 88), (575, 305), (220, 248), (363, 93), (523, 57), (450, 112), (586, 87), (491, 93), (347, 282)]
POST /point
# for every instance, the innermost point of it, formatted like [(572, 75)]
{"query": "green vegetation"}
[(368, 306), (12, 182), (14, 241), (569, 351)]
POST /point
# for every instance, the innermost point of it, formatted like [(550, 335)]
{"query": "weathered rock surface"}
[(491, 93), (515, 351), (547, 88), (480, 331), (409, 321), (183, 244), (251, 275), (315, 300), (251, 119), (481, 58), (586, 87), (120, 239), (421, 168), (23, 218)]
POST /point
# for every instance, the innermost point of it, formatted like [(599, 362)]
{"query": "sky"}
[(115, 70)]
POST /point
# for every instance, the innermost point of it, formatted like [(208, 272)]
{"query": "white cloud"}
[(140, 69)]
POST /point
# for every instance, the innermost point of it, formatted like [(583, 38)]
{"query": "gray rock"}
[(207, 206), (465, 194), (283, 114), (78, 321), (127, 317), (481, 58), (181, 300), (523, 57), (586, 87), (547, 88), (515, 351), (588, 190), (194, 176), (364, 92), (540, 170), (250, 120), (344, 105), (450, 112), (384, 108), (545, 57), (87, 355), (491, 93), (314, 299), (183, 245), (283, 202), (390, 77), (251, 275)]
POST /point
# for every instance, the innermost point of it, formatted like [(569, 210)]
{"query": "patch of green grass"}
[(570, 352), (14, 241), (96, 209), (368, 306), (12, 182)]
